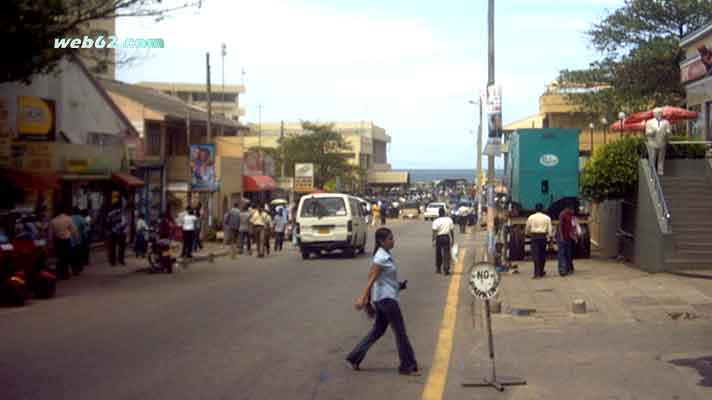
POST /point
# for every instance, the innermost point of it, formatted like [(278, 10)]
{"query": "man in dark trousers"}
[(116, 225), (539, 229), (443, 239)]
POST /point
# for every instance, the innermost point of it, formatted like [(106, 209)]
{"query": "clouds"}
[(407, 69)]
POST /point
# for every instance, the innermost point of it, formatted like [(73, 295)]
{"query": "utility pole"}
[(210, 106), (478, 192), (223, 52), (490, 158)]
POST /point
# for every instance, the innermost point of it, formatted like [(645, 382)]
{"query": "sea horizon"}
[(431, 174)]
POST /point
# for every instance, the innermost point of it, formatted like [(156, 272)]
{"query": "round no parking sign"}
[(484, 281)]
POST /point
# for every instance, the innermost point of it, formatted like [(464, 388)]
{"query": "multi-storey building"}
[(225, 102)]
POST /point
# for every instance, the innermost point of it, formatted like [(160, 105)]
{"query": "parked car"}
[(331, 221), (411, 209), (432, 210)]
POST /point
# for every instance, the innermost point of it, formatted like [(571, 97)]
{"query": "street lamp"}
[(223, 52), (621, 117), (591, 125), (604, 122)]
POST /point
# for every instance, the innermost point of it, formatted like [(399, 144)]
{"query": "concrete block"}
[(578, 306), (495, 307), (211, 257)]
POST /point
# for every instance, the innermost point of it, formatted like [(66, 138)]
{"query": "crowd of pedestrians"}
[(541, 231), (247, 225)]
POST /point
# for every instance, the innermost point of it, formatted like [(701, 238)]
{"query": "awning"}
[(127, 180), (257, 183), (29, 180)]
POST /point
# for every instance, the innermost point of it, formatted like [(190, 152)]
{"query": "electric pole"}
[(490, 140)]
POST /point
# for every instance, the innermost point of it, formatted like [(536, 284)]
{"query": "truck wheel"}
[(516, 244), (582, 249)]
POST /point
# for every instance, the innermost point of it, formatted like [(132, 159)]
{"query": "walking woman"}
[(382, 290)]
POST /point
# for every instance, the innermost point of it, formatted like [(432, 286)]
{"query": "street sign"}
[(304, 177), (484, 281)]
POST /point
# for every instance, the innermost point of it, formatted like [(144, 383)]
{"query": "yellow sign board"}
[(35, 118)]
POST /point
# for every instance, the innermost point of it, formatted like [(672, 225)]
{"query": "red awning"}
[(29, 180), (127, 180), (258, 183), (628, 126), (670, 113)]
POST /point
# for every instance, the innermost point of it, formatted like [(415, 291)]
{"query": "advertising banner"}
[(35, 118), (202, 167), (494, 111), (304, 177)]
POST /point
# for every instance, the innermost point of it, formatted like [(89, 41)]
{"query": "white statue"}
[(657, 131)]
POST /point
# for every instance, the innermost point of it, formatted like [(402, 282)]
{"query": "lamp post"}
[(621, 117), (591, 125), (604, 123)]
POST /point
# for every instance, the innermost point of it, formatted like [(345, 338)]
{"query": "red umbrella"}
[(670, 113), (628, 126)]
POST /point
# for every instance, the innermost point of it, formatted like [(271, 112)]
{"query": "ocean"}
[(429, 175)]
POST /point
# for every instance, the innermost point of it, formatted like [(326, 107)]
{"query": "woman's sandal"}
[(352, 366)]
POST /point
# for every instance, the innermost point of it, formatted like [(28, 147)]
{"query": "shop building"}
[(63, 142), (184, 166), (696, 75)]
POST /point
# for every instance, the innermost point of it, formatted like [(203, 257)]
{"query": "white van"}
[(331, 221)]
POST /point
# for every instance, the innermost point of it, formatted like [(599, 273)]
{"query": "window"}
[(324, 207), (229, 97), (200, 96), (695, 127), (153, 143)]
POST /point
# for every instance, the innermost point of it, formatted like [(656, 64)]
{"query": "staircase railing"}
[(662, 203)]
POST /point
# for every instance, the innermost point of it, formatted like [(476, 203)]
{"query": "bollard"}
[(211, 257), (578, 306), (495, 307)]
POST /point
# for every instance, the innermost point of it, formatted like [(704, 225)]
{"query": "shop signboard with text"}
[(303, 177)]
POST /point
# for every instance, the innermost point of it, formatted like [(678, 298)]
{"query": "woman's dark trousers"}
[(387, 313)]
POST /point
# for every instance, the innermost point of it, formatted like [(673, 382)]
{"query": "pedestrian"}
[(244, 231), (539, 228), (267, 230), (188, 225), (257, 220), (90, 233), (116, 225), (197, 240), (141, 241), (231, 225), (384, 211), (382, 291), (566, 236), (166, 227), (462, 214), (280, 224), (376, 211), (62, 231), (81, 244), (443, 239)]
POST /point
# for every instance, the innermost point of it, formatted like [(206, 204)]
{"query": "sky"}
[(410, 66)]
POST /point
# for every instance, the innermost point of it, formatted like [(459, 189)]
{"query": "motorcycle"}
[(159, 253), (13, 283)]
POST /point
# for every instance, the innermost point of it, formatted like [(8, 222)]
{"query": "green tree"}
[(612, 172), (30, 27), (639, 43), (322, 146)]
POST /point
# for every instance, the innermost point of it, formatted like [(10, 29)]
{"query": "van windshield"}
[(324, 207)]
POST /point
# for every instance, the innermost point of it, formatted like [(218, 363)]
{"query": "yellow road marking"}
[(435, 385)]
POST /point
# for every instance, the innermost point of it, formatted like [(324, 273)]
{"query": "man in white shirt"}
[(463, 214), (443, 238), (188, 223), (539, 228)]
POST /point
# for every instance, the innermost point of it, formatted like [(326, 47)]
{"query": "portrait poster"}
[(202, 167)]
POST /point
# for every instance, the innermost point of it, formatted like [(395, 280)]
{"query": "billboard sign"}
[(35, 118), (202, 168), (303, 177)]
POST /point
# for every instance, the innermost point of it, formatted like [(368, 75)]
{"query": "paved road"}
[(249, 329)]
